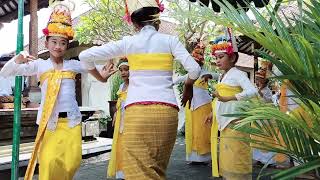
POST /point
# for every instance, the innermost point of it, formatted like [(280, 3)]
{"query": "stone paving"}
[(178, 168), (94, 168)]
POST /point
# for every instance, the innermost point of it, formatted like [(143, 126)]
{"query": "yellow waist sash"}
[(112, 167), (223, 90), (201, 84), (156, 61), (54, 81)]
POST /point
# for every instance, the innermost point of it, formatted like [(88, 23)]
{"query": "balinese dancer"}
[(57, 147), (197, 135), (235, 159), (115, 163), (151, 111)]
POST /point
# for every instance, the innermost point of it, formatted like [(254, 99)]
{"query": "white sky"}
[(8, 34)]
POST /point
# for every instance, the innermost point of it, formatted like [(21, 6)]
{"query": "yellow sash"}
[(54, 81), (112, 167), (188, 125), (201, 84), (156, 61), (223, 90), (188, 129)]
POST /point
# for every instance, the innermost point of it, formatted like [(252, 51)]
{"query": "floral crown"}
[(222, 46), (226, 44), (198, 52), (60, 23)]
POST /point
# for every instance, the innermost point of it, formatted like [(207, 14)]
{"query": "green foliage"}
[(300, 61), (103, 23), (300, 133), (104, 120), (190, 27), (295, 47), (116, 81)]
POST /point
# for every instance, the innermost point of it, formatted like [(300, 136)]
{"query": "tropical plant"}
[(103, 23), (104, 120), (292, 134), (116, 81), (190, 28), (292, 44)]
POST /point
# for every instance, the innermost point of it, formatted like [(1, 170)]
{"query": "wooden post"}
[(33, 90), (33, 30)]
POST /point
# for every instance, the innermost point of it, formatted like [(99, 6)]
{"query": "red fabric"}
[(153, 102)]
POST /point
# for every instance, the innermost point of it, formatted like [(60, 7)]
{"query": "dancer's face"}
[(57, 46), (224, 61), (124, 72)]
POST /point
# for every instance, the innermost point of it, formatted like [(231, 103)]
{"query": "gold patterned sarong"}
[(147, 141)]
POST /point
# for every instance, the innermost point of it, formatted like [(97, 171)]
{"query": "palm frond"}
[(293, 134), (295, 171), (294, 43)]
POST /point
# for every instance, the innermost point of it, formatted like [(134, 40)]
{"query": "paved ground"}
[(94, 168), (178, 168)]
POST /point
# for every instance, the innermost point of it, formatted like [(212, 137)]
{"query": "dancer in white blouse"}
[(57, 147)]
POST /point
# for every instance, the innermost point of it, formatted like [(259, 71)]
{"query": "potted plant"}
[(104, 120)]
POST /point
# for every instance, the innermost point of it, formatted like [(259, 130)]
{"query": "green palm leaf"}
[(294, 44), (295, 171), (300, 135)]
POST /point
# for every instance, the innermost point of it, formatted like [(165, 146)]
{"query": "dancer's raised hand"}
[(23, 57), (108, 70)]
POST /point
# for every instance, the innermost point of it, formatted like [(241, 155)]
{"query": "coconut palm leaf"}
[(299, 133), (294, 44)]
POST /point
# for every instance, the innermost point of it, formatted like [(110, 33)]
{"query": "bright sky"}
[(8, 34)]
